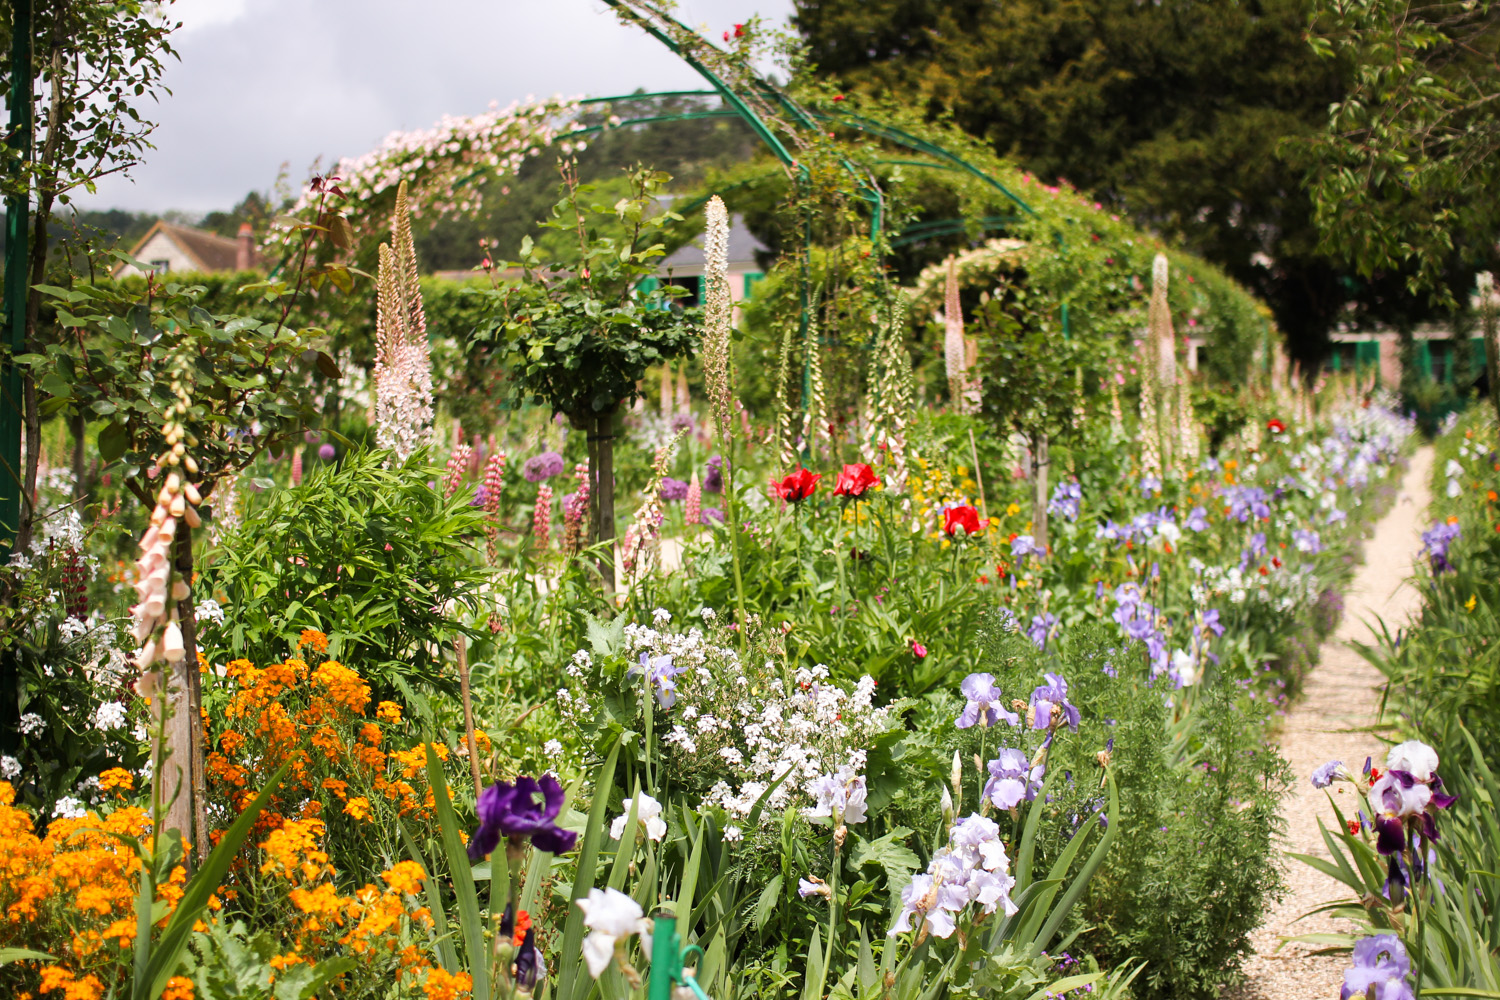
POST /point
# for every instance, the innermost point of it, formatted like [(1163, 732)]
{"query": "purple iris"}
[(1198, 519), (526, 810), (1051, 698), (1330, 772), (713, 476), (673, 489), (985, 704), (1435, 542), (1022, 546), (662, 674), (1012, 778), (1211, 621), (1380, 970), (543, 466), (1396, 797), (1150, 485), (1307, 541), (1067, 500), (1040, 629), (528, 961)]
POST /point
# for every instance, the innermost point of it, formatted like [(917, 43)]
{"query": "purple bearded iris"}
[(1198, 519), (662, 675), (526, 810), (1041, 629), (1396, 799), (1380, 970), (1050, 703), (985, 704), (1330, 772), (1012, 778), (1435, 542)]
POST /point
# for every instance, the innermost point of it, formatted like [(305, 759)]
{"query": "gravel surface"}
[(1341, 694)]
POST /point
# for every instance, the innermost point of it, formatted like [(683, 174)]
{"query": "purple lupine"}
[(984, 703), (526, 810)]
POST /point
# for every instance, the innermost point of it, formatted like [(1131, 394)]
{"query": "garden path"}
[(1341, 693)]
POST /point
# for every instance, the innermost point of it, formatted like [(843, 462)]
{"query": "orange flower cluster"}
[(315, 718), (72, 894)]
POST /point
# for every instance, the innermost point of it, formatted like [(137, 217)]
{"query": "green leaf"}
[(55, 385), (112, 441), (9, 955), (766, 904)]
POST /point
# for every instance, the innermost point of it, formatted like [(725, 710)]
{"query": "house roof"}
[(743, 246), (208, 251)]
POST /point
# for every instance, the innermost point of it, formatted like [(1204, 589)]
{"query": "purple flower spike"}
[(526, 810), (985, 703)]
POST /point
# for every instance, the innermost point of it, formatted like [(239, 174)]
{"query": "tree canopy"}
[(1171, 112)]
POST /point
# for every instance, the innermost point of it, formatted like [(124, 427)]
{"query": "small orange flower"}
[(358, 807), (117, 778), (314, 640), (388, 711), (178, 988), (405, 877)]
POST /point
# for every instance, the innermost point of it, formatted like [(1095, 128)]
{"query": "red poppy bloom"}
[(798, 486), (1276, 426), (739, 31), (963, 517), (855, 481)]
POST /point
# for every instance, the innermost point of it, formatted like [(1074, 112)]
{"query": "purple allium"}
[(1051, 698), (681, 422), (1198, 519), (673, 489), (713, 475), (480, 496), (1380, 970), (711, 514), (526, 810), (326, 452), (984, 703), (1012, 779), (540, 467)]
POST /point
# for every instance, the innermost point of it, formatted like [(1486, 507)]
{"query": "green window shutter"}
[(751, 277)]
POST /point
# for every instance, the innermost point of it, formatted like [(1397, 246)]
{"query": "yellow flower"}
[(405, 877), (1012, 510), (1470, 603), (116, 777)]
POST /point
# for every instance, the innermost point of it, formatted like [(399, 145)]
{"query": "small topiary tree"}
[(580, 331)]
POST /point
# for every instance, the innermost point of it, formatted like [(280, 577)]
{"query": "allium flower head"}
[(541, 467)]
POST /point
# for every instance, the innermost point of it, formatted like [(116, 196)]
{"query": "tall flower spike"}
[(892, 380), (815, 420), (541, 518), (954, 350), (403, 368), (1161, 355), (458, 464), (718, 316)]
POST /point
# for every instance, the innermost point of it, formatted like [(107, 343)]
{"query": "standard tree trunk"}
[(602, 490), (1039, 498)]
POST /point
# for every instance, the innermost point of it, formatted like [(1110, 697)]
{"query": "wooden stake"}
[(461, 645), (984, 507)]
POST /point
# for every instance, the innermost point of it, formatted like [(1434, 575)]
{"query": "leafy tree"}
[(1169, 112), (93, 63), (580, 333), (1404, 177)]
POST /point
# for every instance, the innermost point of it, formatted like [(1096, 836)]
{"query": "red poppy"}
[(798, 486), (963, 517), (838, 97), (855, 481), (739, 31), (1276, 426)]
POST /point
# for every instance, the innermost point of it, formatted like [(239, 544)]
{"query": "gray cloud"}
[(266, 82)]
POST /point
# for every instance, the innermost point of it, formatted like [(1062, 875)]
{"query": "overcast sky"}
[(263, 82)]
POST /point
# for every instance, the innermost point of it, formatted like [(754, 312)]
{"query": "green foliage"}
[(578, 335), (369, 555), (1403, 175)]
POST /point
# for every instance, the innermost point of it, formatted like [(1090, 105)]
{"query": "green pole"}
[(666, 958), (18, 208)]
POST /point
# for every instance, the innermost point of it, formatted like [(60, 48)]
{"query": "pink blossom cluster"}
[(439, 161), (458, 465), (494, 482), (541, 517), (576, 510)]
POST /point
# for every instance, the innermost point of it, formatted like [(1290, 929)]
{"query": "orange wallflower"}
[(117, 778), (388, 711), (312, 639), (405, 877), (358, 807)]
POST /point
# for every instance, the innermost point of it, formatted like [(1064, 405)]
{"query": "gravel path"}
[(1341, 693)]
